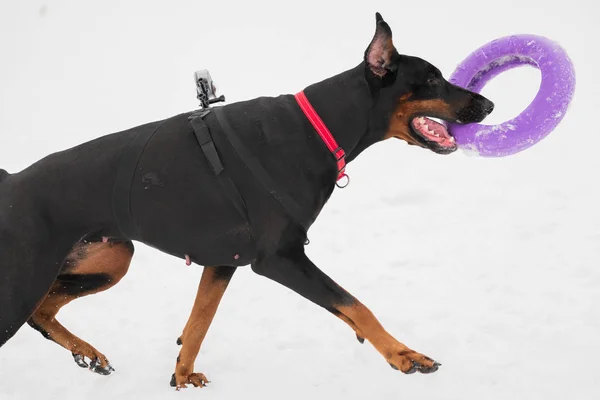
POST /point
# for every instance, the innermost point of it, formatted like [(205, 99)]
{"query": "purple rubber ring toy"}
[(543, 114)]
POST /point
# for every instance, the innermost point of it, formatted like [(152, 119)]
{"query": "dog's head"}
[(408, 92)]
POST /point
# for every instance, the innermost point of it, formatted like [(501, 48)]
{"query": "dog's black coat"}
[(177, 204), (68, 196)]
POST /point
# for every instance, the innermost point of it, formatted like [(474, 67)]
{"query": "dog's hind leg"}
[(90, 268), (212, 286), (30, 258)]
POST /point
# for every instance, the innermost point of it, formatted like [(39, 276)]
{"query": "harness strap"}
[(283, 198), (205, 140), (122, 189), (206, 143)]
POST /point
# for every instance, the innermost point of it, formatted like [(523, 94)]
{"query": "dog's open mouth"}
[(434, 132)]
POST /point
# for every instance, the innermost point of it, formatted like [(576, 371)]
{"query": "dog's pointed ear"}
[(381, 54)]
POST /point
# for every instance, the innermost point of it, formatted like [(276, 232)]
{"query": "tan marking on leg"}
[(395, 353), (210, 293), (351, 323), (112, 259), (45, 319)]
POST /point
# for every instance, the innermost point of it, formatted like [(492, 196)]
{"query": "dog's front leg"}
[(293, 269), (212, 286)]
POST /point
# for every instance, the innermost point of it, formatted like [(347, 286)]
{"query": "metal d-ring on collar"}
[(345, 182)]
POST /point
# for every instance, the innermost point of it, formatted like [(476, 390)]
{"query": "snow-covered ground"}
[(491, 266)]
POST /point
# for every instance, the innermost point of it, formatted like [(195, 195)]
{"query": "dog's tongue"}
[(433, 131)]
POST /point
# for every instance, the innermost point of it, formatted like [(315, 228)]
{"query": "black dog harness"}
[(135, 148), (205, 140), (291, 206), (206, 94)]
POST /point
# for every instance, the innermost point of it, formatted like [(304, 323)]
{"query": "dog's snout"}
[(477, 110), (479, 101), (488, 106)]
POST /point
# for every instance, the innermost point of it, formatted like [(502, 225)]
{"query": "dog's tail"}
[(3, 174)]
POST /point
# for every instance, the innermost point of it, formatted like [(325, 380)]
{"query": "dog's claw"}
[(415, 366), (425, 370), (80, 360), (360, 339), (96, 367), (173, 382), (393, 366)]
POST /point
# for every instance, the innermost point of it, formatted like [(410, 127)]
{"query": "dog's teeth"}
[(452, 139)]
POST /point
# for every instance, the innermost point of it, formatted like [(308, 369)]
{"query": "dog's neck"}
[(344, 102)]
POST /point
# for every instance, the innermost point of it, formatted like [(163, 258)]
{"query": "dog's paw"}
[(98, 363), (409, 362), (97, 367), (196, 379)]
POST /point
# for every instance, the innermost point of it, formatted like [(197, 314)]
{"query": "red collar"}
[(321, 128)]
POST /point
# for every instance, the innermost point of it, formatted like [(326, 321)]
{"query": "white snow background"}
[(491, 266)]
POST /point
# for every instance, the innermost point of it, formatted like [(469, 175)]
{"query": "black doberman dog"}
[(60, 238)]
